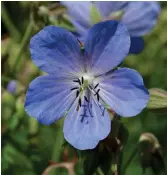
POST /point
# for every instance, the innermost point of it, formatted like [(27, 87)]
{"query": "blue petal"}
[(48, 98), (79, 13), (124, 92), (141, 17), (55, 50), (106, 46), (107, 7), (80, 27), (85, 128), (137, 45)]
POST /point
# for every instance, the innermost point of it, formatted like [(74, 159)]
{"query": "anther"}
[(97, 92), (77, 109), (74, 88), (82, 80), (96, 86), (98, 97), (77, 94), (79, 102), (86, 99), (77, 81)]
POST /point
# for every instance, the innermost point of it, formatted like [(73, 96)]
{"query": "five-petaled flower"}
[(79, 84), (139, 17)]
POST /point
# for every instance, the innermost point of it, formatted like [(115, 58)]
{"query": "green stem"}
[(129, 160), (23, 44), (9, 24)]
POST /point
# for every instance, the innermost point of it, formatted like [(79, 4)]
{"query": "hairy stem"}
[(68, 165)]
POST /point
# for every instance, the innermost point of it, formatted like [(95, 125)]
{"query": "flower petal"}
[(79, 13), (107, 7), (85, 128), (137, 45), (48, 98), (55, 50), (124, 91), (106, 46), (141, 17)]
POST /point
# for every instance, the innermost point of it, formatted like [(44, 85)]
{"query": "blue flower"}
[(11, 87), (80, 83), (140, 17)]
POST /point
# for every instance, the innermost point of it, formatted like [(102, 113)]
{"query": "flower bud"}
[(11, 87), (151, 153)]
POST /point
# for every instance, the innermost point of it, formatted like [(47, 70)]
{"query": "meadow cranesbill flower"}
[(140, 17), (80, 83)]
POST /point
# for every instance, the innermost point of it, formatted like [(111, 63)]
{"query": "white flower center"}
[(86, 82), (88, 79)]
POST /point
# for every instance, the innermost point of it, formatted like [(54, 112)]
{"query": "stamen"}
[(74, 88), (90, 87), (77, 108), (82, 80), (86, 99), (96, 86), (98, 97), (77, 94), (97, 92), (79, 102), (77, 81), (81, 45)]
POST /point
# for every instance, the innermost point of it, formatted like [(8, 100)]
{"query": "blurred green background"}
[(27, 146)]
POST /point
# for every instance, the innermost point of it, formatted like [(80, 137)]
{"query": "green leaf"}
[(13, 122), (15, 157), (95, 15), (8, 99), (158, 99), (20, 137), (20, 106), (33, 126)]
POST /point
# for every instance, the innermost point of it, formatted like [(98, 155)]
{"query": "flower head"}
[(80, 84), (139, 17)]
